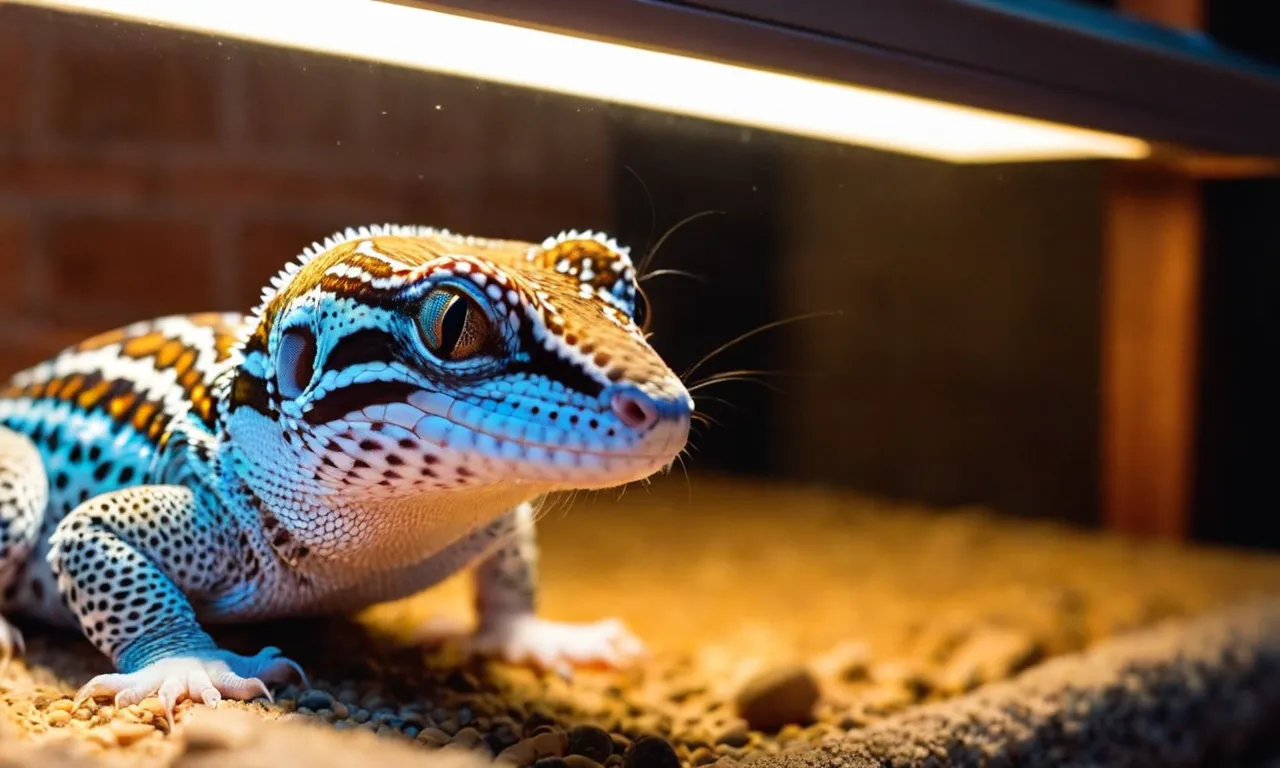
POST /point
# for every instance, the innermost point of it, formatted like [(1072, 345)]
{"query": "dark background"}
[(144, 172)]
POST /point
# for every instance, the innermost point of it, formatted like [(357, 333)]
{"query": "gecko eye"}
[(295, 362), (452, 325)]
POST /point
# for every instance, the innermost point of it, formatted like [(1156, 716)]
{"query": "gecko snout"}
[(634, 408), (641, 411)]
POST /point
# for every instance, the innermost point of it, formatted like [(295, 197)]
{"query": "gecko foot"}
[(205, 676), (556, 646), (10, 644)]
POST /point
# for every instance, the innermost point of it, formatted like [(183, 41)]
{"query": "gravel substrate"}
[(779, 621), (1190, 693)]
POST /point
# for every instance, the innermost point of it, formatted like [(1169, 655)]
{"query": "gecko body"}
[(385, 418)]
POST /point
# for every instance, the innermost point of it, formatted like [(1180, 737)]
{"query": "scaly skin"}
[(385, 418)]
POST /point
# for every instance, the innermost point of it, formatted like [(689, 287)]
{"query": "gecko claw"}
[(206, 677)]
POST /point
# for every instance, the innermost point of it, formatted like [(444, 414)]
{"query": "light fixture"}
[(439, 42)]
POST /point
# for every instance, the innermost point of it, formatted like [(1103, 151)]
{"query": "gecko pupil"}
[(452, 325)]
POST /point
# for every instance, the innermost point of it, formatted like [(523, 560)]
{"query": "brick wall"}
[(145, 171)]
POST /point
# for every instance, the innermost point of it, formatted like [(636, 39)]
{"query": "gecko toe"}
[(204, 677), (555, 646)]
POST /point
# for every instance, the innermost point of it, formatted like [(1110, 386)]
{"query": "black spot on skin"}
[(406, 443), (101, 471), (126, 474), (76, 455), (394, 460), (61, 480), (369, 445), (95, 453), (360, 464)]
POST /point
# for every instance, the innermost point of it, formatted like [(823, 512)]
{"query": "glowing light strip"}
[(439, 42)]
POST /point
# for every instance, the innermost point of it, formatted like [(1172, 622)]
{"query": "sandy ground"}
[(778, 619)]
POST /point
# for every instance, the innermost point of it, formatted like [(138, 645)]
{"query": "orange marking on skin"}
[(120, 404), (71, 386), (153, 431), (143, 415), (184, 362), (204, 407), (189, 380), (144, 345), (90, 397), (224, 343), (168, 353)]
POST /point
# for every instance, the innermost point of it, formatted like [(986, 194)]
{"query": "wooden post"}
[(1151, 301), (1151, 293)]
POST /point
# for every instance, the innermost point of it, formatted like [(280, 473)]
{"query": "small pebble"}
[(315, 700), (433, 737), (58, 717), (102, 736), (590, 741), (650, 752), (61, 705), (467, 737), (775, 698), (127, 733), (549, 744), (735, 733), (154, 706)]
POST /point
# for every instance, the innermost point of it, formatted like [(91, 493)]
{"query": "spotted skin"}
[(388, 415)]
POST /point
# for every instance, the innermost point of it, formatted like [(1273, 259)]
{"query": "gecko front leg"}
[(508, 626), (130, 564)]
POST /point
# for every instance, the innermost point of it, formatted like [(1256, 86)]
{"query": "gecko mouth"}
[(442, 435), (450, 423)]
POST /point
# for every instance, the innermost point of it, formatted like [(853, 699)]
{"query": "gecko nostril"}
[(634, 408)]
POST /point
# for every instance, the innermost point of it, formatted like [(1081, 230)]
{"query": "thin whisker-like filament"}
[(687, 482), (749, 334), (706, 421), (653, 209), (727, 379), (718, 400), (680, 272), (743, 372), (648, 257)]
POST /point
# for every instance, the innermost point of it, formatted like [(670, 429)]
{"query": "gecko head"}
[(396, 361)]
